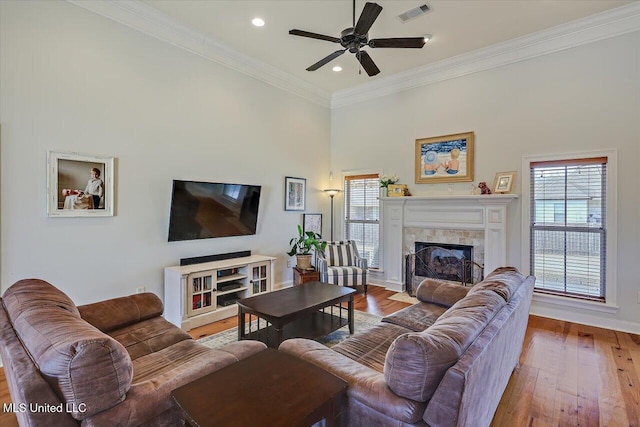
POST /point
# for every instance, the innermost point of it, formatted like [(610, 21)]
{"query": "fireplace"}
[(475, 220), (444, 261)]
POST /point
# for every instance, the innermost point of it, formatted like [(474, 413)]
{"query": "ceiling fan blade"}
[(326, 60), (367, 63), (404, 42), (314, 36), (367, 17)]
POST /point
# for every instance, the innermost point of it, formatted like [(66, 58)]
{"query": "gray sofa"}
[(111, 363), (444, 361)]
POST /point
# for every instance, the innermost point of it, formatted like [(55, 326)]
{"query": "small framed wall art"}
[(398, 190), (294, 193), (503, 182), (312, 222), (447, 158), (79, 185)]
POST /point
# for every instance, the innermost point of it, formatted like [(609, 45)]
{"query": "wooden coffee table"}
[(267, 389), (308, 311)]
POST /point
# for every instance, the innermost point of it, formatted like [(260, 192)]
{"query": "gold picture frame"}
[(503, 182), (397, 190), (447, 158)]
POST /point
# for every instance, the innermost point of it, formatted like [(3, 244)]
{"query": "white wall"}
[(73, 81), (580, 99)]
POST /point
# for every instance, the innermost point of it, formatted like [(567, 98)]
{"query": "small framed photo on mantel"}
[(503, 182), (79, 185)]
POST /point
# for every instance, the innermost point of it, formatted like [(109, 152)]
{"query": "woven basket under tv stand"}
[(198, 294)]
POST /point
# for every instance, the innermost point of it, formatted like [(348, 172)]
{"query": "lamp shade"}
[(332, 192)]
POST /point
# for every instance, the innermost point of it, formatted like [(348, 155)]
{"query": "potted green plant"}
[(301, 247)]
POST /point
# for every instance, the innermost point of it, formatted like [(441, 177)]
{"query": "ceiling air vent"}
[(414, 13)]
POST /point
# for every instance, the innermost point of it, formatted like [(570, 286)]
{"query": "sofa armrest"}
[(117, 313), (365, 384), (441, 293), (361, 263), (321, 265)]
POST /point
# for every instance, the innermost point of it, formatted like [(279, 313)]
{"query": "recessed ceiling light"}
[(337, 68), (427, 37), (258, 22)]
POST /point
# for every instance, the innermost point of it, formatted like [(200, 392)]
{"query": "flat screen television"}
[(204, 210)]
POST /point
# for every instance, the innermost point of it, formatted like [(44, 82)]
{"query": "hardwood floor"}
[(569, 374), (7, 419), (573, 375)]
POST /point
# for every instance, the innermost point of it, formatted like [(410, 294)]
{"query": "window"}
[(568, 231), (362, 215)]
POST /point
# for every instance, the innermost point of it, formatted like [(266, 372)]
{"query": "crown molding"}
[(615, 22), (139, 16)]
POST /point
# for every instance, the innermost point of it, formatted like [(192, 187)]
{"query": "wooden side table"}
[(267, 389), (301, 276)]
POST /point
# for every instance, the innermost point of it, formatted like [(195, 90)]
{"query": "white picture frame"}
[(78, 175)]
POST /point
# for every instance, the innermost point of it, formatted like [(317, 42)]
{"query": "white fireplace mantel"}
[(458, 212)]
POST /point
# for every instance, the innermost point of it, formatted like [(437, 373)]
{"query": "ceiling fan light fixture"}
[(337, 68), (354, 38), (258, 22)]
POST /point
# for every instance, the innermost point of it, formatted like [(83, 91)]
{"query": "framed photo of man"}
[(79, 185)]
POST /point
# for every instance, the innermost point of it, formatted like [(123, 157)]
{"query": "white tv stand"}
[(197, 294)]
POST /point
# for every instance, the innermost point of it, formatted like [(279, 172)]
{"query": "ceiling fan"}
[(356, 37)]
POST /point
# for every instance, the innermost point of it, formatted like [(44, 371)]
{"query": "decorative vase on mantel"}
[(384, 191)]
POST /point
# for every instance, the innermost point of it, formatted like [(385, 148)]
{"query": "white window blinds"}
[(362, 215), (568, 227)]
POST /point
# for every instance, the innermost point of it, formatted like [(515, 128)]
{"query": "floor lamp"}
[(332, 192)]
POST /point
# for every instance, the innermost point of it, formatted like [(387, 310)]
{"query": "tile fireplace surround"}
[(404, 217)]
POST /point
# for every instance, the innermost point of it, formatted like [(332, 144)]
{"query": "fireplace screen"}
[(441, 261)]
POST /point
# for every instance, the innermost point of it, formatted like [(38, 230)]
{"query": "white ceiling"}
[(457, 26)]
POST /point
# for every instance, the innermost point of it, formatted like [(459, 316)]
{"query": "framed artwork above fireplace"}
[(447, 158)]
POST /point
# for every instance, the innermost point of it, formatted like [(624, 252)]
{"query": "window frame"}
[(346, 174), (610, 306)]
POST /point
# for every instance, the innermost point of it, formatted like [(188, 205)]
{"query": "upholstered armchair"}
[(341, 264)]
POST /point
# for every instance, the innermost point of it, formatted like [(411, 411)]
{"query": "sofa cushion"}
[(370, 347), (416, 317), (340, 254), (149, 336), (416, 362), (439, 292), (36, 293), (347, 276), (504, 281), (88, 369), (117, 313), (157, 374)]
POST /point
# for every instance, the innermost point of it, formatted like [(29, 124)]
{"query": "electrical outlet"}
[(141, 289), (289, 266)]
